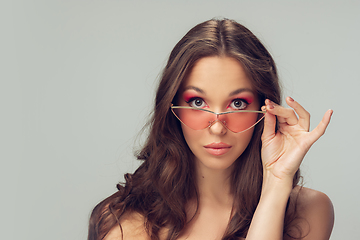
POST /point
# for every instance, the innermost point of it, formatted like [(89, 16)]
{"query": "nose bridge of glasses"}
[(214, 118), (213, 124), (219, 117)]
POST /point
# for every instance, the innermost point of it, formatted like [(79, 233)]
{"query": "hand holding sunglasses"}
[(284, 150)]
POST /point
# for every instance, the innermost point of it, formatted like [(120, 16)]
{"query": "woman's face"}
[(219, 84)]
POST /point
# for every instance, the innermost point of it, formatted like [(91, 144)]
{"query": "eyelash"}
[(244, 102), (191, 100)]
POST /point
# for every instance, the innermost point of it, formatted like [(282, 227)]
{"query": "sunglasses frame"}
[(217, 114)]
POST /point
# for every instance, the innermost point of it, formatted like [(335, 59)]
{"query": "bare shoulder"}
[(132, 225), (315, 211)]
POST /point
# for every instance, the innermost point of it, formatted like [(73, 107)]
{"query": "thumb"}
[(269, 127)]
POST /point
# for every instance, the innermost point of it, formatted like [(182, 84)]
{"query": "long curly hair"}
[(165, 181)]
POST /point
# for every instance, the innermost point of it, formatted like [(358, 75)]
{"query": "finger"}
[(304, 116), (269, 127), (321, 127), (285, 115)]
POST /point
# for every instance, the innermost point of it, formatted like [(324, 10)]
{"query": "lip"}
[(217, 149)]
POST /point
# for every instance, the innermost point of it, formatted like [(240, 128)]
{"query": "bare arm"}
[(282, 154)]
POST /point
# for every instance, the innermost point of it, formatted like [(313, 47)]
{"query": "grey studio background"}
[(77, 84)]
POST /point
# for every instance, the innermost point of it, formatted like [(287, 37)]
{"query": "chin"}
[(216, 163)]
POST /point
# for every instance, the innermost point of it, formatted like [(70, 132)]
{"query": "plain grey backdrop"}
[(77, 85)]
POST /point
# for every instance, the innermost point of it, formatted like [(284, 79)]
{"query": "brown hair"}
[(165, 182)]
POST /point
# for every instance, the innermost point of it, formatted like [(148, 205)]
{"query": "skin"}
[(204, 85), (282, 154)]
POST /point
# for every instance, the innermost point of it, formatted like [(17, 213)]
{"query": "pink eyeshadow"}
[(189, 95), (249, 97)]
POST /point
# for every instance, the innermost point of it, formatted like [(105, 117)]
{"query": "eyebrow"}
[(240, 90), (195, 88), (237, 91)]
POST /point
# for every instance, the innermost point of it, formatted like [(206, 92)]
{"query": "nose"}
[(217, 127)]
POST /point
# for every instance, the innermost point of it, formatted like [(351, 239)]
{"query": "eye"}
[(197, 102), (238, 104)]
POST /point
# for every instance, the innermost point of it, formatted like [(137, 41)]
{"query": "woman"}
[(232, 175)]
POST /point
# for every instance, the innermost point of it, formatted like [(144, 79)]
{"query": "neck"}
[(214, 185)]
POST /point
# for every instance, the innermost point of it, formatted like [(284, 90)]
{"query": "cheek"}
[(190, 136), (194, 140), (243, 140)]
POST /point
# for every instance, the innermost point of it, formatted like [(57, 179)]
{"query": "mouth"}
[(217, 149)]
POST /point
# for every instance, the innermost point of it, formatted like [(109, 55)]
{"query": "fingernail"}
[(291, 99), (270, 104)]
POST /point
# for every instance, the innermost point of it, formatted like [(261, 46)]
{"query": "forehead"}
[(218, 74)]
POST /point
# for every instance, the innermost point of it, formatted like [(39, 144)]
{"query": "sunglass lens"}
[(240, 121), (236, 121), (193, 118)]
